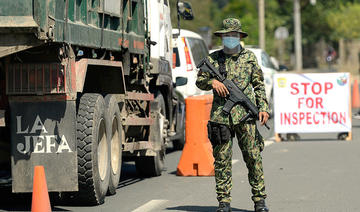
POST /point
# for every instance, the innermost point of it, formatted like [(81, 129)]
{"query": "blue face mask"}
[(231, 42)]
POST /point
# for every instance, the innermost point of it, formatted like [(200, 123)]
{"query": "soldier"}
[(240, 65)]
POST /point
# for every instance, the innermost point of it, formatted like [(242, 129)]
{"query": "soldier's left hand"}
[(263, 117)]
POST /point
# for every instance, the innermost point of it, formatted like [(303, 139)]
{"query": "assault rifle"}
[(236, 95)]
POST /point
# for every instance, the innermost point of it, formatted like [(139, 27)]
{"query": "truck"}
[(85, 84)]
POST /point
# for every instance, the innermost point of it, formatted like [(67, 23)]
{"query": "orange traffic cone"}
[(197, 158), (40, 195), (355, 95)]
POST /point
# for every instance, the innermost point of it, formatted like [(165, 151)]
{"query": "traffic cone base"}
[(196, 163), (40, 195), (197, 158)]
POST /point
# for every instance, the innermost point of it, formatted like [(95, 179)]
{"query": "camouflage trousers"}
[(251, 144)]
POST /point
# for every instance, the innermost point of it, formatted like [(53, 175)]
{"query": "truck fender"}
[(82, 65)]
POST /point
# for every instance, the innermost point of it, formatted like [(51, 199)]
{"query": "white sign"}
[(308, 103), (281, 33)]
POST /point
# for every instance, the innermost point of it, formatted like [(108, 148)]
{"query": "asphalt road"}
[(316, 174)]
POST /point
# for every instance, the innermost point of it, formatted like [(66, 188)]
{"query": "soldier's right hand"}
[(220, 88)]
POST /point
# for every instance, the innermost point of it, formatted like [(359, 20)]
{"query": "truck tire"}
[(93, 150), (342, 136), (180, 127), (151, 166), (179, 143), (117, 137), (292, 137)]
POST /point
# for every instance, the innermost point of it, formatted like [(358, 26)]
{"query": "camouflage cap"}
[(231, 25)]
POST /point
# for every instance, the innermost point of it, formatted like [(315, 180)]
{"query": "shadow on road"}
[(10, 201), (129, 175), (191, 208), (22, 201), (18, 202), (173, 172)]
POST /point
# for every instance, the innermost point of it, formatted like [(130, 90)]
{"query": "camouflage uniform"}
[(244, 70)]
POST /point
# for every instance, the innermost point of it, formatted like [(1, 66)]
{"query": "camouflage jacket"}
[(244, 70)]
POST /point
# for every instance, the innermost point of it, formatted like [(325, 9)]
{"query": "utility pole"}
[(298, 47), (262, 24)]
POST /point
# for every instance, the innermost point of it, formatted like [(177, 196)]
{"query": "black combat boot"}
[(224, 207), (260, 206)]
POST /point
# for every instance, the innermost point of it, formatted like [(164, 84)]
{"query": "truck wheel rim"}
[(115, 147), (102, 151)]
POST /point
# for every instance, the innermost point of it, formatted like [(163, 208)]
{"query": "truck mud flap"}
[(44, 133)]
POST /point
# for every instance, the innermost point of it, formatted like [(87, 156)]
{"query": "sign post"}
[(312, 103), (281, 34)]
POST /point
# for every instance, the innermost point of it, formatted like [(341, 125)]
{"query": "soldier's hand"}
[(220, 88), (263, 117)]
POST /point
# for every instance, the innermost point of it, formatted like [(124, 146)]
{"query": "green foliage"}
[(273, 20), (221, 3), (328, 20), (246, 11), (205, 14), (345, 22)]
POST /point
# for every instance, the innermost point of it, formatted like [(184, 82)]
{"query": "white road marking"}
[(151, 205), (234, 161), (267, 143), (270, 141)]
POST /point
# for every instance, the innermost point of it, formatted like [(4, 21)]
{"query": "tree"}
[(345, 22), (205, 14), (221, 3), (246, 11), (327, 20)]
